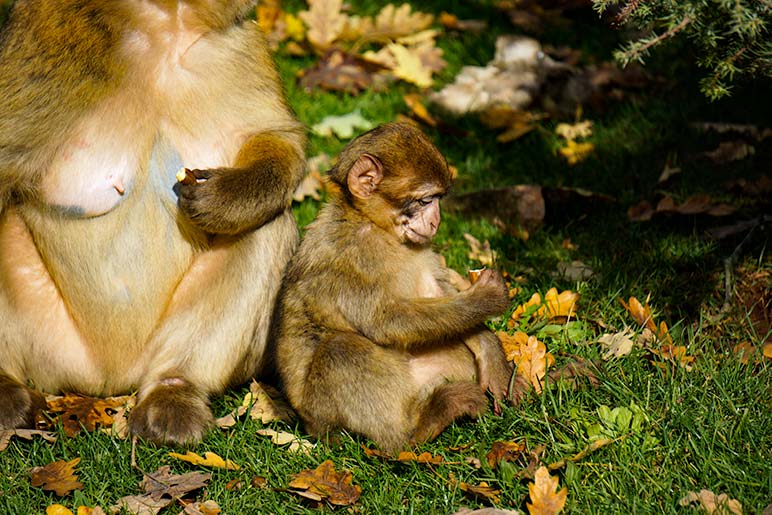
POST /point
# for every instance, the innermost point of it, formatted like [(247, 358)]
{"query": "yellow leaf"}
[(545, 499), (520, 310), (768, 350), (674, 354), (294, 27), (409, 66), (560, 304), (210, 459), (529, 355), (640, 312), (57, 509), (575, 152), (481, 252), (575, 131), (325, 22)]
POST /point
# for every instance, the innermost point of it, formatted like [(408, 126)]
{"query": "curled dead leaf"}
[(545, 497), (504, 451), (713, 504), (325, 483), (58, 477), (481, 491), (209, 459)]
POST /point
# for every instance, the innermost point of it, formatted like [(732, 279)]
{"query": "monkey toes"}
[(174, 413), (447, 403), (18, 404)]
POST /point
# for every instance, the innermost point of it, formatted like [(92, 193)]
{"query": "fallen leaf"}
[(529, 355), (82, 412), (58, 509), (675, 354), (575, 270), (58, 477), (712, 503), (486, 511), (27, 434), (209, 507), (327, 484), (729, 151), (504, 451), (418, 109), (554, 305), (517, 122), (617, 345), (545, 499), (341, 71), (592, 447), (424, 457), (576, 152), (481, 252), (409, 67), (342, 126), (325, 22), (767, 350), (451, 22), (393, 22), (266, 404), (481, 491), (744, 351), (160, 489), (267, 12), (574, 131), (640, 312), (209, 459), (297, 444)]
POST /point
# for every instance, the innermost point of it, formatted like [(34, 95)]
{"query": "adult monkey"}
[(112, 275), (372, 336)]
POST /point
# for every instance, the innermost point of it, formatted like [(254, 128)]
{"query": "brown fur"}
[(145, 279), (370, 333)]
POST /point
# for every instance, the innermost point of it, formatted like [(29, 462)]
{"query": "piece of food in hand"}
[(185, 176), (474, 274)]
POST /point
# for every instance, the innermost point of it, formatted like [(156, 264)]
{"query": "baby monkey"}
[(372, 336)]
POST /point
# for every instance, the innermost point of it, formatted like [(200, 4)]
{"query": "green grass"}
[(709, 428)]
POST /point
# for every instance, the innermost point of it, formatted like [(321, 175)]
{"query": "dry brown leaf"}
[(267, 13), (297, 444), (160, 489), (712, 503), (529, 355), (267, 404), (209, 507), (640, 312), (617, 345), (675, 354), (394, 22), (82, 412), (418, 109), (481, 491), (729, 151), (451, 22), (27, 434), (481, 252), (767, 350), (327, 484), (341, 71), (325, 22), (58, 509), (424, 457), (58, 477), (744, 351), (504, 451), (516, 122), (545, 499), (209, 459)]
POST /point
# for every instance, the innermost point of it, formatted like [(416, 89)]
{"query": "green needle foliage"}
[(730, 38)]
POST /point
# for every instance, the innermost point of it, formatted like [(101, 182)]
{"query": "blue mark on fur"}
[(164, 164)]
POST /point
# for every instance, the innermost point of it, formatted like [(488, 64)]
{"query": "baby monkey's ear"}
[(365, 176)]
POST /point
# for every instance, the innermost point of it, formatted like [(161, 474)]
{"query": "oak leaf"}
[(27, 434), (82, 412), (409, 67), (209, 459), (297, 444), (504, 451), (617, 345), (712, 503), (545, 499), (481, 491), (266, 404), (529, 355), (342, 126), (58, 477), (325, 22), (394, 21), (160, 489), (327, 484)]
